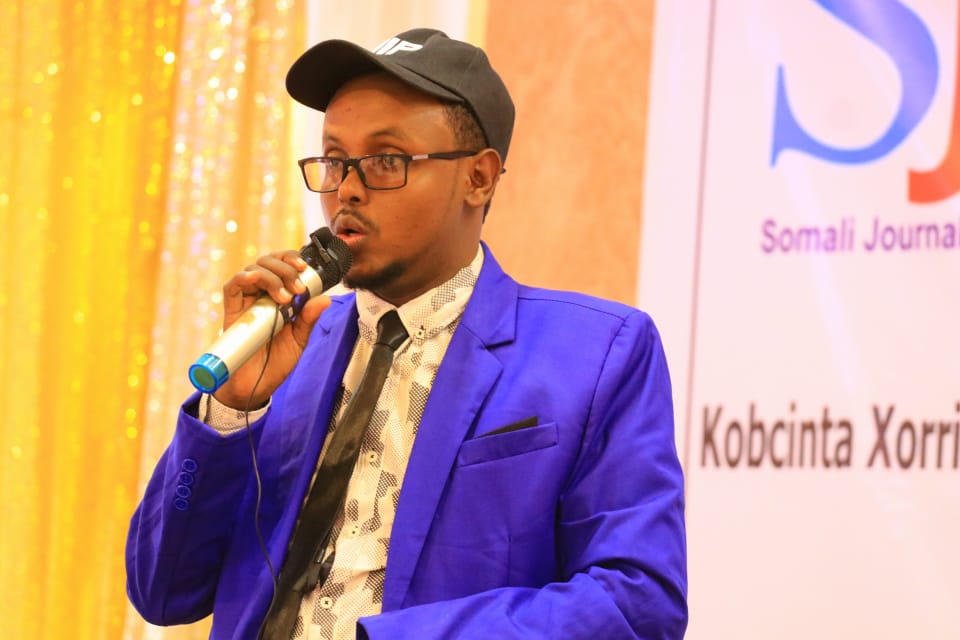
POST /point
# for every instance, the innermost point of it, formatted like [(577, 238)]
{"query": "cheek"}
[(329, 205), (414, 215), (438, 208)]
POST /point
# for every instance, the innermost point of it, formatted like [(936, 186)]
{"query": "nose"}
[(351, 188)]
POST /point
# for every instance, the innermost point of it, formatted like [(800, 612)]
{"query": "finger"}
[(239, 290), (257, 279), (282, 277)]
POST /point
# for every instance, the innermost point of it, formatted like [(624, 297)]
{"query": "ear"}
[(483, 174)]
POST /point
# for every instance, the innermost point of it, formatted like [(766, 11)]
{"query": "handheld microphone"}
[(328, 258)]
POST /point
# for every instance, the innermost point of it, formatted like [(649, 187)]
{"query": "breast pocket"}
[(510, 443)]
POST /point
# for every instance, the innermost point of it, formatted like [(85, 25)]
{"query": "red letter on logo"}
[(944, 181)]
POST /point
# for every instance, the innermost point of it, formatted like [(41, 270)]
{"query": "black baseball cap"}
[(448, 69)]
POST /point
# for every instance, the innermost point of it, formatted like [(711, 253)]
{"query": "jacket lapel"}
[(310, 395), (463, 382)]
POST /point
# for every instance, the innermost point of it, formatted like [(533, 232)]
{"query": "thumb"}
[(308, 316)]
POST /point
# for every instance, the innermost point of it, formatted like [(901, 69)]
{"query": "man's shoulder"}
[(551, 299), (573, 302)]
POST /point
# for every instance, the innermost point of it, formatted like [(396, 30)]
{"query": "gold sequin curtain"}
[(145, 154)]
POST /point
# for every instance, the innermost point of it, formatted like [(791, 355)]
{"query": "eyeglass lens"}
[(377, 172)]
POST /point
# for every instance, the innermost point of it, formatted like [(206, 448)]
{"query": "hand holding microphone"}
[(277, 297)]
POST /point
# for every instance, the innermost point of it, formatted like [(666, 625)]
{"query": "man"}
[(518, 478)]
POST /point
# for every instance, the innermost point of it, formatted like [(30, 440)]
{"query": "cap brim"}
[(317, 75)]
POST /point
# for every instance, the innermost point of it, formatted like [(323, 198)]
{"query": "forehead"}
[(378, 105)]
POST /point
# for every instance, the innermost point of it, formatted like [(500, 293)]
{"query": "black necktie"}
[(305, 567)]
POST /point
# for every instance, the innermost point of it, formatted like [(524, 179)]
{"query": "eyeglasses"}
[(381, 171)]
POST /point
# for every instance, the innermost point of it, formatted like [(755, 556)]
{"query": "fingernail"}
[(298, 286), (285, 294)]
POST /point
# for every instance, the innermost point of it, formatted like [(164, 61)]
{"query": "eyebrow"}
[(389, 132)]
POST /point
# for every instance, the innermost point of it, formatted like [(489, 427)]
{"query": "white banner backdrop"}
[(801, 255)]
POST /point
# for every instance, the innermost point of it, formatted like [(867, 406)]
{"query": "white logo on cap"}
[(393, 45)]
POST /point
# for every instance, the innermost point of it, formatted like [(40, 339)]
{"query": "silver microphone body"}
[(328, 258)]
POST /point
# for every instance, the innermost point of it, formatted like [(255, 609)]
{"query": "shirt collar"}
[(430, 312)]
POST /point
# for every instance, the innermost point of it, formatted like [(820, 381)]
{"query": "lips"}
[(348, 228)]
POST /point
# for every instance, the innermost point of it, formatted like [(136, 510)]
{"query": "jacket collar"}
[(491, 314)]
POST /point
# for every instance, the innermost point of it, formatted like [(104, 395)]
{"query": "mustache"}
[(366, 224)]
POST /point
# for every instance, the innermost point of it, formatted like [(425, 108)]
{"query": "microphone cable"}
[(330, 256), (256, 467)]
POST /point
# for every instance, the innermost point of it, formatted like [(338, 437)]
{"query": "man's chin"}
[(373, 280)]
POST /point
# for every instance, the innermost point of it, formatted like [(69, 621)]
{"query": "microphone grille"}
[(329, 255), (340, 252)]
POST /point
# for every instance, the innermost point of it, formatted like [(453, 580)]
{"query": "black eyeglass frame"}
[(406, 158)]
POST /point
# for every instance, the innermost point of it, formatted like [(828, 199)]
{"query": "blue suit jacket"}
[(570, 528)]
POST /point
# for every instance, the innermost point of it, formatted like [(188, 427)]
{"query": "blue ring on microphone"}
[(208, 373)]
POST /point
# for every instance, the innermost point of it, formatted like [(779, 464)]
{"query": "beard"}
[(375, 281)]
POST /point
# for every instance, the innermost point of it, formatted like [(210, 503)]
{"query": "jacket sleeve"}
[(180, 531), (620, 526)]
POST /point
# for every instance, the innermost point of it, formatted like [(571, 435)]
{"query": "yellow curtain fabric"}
[(145, 155)]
